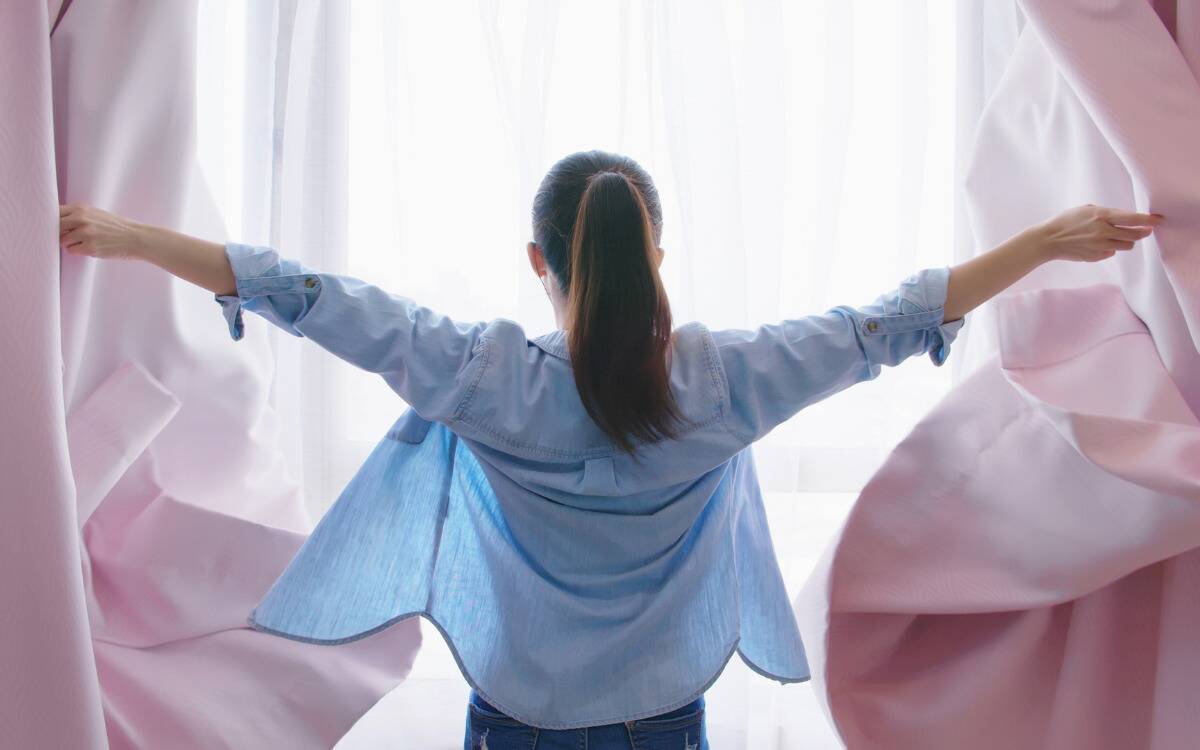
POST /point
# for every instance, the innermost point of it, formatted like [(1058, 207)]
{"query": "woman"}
[(577, 513)]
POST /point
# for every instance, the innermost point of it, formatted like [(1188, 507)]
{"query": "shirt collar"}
[(554, 343)]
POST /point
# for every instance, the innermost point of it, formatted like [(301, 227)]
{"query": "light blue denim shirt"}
[(575, 584)]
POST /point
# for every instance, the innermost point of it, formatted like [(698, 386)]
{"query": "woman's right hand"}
[(1092, 233), (94, 232)]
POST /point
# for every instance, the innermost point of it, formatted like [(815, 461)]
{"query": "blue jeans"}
[(681, 729)]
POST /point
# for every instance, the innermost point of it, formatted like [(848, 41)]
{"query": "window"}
[(804, 152)]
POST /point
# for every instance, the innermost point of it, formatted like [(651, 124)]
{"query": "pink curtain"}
[(146, 505), (1023, 570)]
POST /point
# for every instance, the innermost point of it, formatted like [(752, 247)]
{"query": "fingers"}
[(1113, 245), (70, 228), (1130, 234), (1129, 218), (71, 240), (71, 216)]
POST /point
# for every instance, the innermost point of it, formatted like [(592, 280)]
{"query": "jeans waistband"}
[(690, 708)]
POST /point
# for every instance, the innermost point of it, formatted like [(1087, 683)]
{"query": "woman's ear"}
[(659, 258), (537, 259)]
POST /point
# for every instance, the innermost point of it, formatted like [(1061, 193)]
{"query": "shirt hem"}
[(519, 715)]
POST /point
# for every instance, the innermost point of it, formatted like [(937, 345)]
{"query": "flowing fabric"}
[(146, 504), (1036, 586)]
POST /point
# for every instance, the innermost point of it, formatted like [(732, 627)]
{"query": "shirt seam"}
[(486, 356), (721, 380)]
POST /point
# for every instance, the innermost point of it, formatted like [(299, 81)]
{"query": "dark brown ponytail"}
[(618, 316)]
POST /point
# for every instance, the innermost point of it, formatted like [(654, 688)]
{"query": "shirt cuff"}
[(943, 338), (260, 273), (919, 305), (231, 308), (246, 262), (928, 289)]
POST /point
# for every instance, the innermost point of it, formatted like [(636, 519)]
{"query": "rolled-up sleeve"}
[(279, 289), (776, 370), (421, 354), (917, 305)]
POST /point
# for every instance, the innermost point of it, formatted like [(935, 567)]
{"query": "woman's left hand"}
[(1085, 233), (1092, 233)]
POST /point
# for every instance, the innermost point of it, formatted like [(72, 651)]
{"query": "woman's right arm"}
[(85, 230), (776, 370), (422, 355)]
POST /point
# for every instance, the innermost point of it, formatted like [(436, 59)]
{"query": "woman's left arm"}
[(1087, 233), (422, 355), (776, 370)]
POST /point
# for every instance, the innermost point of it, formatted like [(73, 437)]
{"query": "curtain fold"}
[(50, 696), (1054, 544), (147, 502)]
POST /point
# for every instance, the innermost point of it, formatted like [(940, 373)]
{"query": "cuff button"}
[(310, 282), (872, 326)]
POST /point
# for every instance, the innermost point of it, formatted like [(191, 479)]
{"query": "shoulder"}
[(694, 345), (503, 330), (507, 340), (524, 402)]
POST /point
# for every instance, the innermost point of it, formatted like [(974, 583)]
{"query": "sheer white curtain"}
[(805, 152)]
